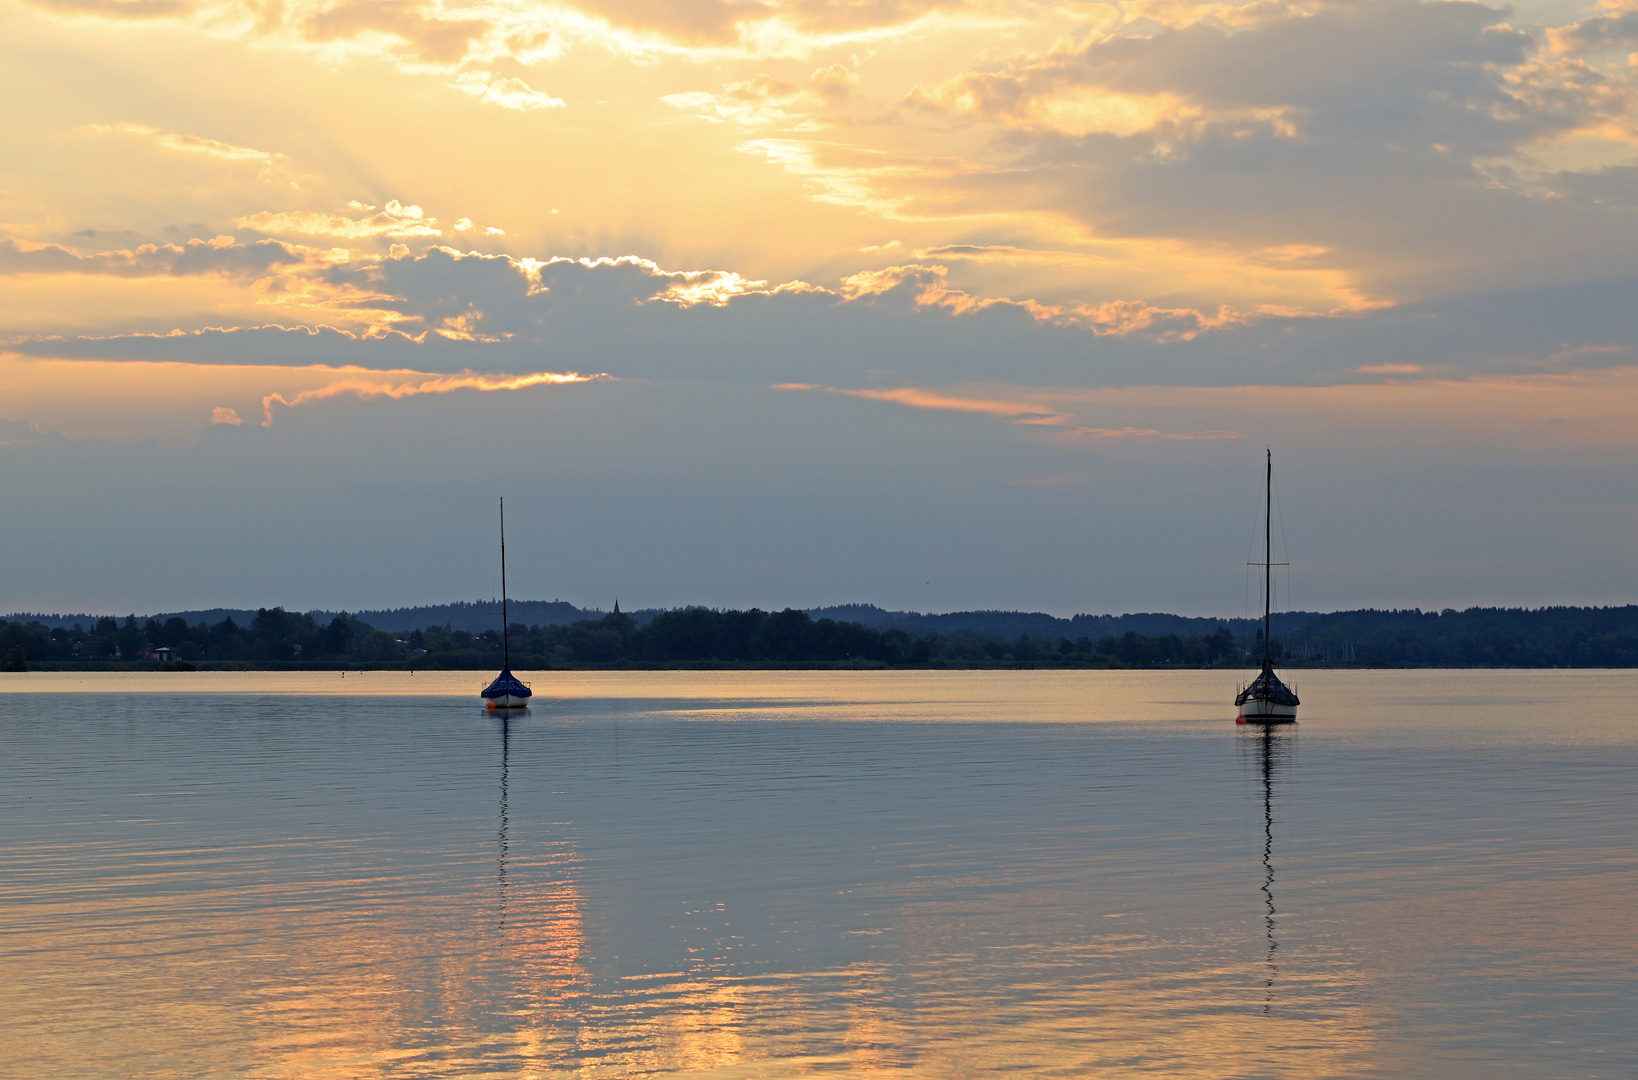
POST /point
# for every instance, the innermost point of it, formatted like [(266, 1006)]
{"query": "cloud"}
[(223, 414), (1007, 253), (223, 256), (120, 9), (1080, 111), (25, 432), (1084, 434), (923, 288), (184, 143), (1021, 406), (508, 296), (1319, 68), (766, 100), (367, 389), (780, 27), (271, 345), (397, 221), (447, 311), (477, 296), (833, 83), (508, 93), (922, 398), (1391, 137), (443, 35), (836, 173), (425, 31), (443, 309), (1611, 30)]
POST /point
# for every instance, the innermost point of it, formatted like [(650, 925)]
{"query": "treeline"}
[(478, 616), (703, 636), (273, 635), (693, 636), (1476, 637)]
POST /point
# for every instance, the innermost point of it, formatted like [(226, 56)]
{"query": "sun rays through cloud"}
[(988, 251)]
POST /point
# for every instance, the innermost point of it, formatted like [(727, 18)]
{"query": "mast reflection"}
[(505, 716), (539, 942), (1272, 751)]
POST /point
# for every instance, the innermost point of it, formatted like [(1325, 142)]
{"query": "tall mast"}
[(1268, 559), (506, 652)]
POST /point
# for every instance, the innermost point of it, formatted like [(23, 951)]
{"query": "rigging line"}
[(1246, 611), (495, 577), (1245, 604), (1251, 539), (1285, 549)]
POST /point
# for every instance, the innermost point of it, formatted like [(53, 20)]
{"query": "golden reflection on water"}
[(170, 957)]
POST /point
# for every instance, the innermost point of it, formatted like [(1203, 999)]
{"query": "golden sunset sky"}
[(930, 304)]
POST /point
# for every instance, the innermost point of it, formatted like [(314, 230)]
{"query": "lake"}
[(771, 874)]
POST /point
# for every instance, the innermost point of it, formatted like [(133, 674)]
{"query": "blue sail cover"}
[(506, 685), (1268, 687)]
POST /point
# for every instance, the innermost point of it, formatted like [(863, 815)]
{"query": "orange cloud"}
[(370, 388), (508, 93), (184, 143), (917, 398), (1082, 434), (1031, 409), (222, 256), (396, 220)]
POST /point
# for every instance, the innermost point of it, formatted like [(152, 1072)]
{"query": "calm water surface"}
[(769, 874)]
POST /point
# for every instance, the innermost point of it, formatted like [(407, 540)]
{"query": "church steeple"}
[(617, 605)]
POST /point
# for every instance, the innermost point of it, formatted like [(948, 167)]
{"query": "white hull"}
[(1267, 712), (507, 701)]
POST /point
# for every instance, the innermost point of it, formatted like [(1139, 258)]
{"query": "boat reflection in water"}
[(535, 964), (1271, 752)]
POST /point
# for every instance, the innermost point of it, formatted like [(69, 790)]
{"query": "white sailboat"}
[(1267, 700), (507, 691)]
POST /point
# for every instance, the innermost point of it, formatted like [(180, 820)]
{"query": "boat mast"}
[(1268, 560), (506, 652)]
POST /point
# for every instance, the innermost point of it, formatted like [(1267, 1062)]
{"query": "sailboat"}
[(507, 691), (1267, 700)]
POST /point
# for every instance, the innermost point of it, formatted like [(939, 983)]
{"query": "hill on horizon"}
[(477, 616)]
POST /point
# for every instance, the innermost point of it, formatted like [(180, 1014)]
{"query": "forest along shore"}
[(273, 638)]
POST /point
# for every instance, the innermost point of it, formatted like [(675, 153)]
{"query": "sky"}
[(933, 304)]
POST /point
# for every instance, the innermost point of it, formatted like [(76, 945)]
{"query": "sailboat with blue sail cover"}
[(507, 691), (1267, 700)]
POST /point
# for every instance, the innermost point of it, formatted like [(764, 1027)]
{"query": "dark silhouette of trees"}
[(1478, 637)]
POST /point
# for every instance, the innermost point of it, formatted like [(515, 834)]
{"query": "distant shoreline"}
[(813, 665), (273, 639)]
